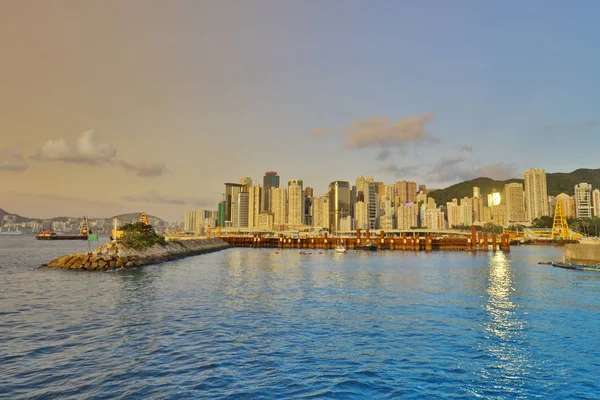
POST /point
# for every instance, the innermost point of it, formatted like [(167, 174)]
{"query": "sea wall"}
[(584, 254), (116, 256)]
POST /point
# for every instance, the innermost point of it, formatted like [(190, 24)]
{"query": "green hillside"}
[(557, 183)]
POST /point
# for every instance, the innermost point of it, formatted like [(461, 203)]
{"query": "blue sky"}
[(192, 94)]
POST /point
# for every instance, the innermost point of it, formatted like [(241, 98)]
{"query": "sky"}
[(113, 106)]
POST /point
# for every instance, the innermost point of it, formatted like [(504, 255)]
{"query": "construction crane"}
[(560, 228)]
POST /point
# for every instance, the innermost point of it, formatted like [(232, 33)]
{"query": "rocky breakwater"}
[(118, 256)]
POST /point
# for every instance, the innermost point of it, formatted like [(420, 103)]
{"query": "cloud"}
[(398, 171), (13, 166), (457, 169), (381, 132), (145, 169), (85, 151), (319, 132), (383, 155), (465, 148), (572, 127), (12, 160), (153, 197)]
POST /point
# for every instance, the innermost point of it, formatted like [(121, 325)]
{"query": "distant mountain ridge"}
[(557, 183), (122, 217)]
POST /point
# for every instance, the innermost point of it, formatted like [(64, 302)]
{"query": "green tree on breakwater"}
[(140, 236)]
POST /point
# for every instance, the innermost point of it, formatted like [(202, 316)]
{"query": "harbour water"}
[(250, 323)]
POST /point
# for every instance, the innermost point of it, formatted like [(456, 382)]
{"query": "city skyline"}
[(111, 107)]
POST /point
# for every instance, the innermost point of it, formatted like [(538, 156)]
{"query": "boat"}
[(340, 248), (305, 252), (51, 235), (368, 245)]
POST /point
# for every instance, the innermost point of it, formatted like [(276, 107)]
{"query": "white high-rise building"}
[(568, 205), (465, 212), (240, 210), (360, 214), (254, 204), (295, 202), (195, 221), (452, 211), (536, 194), (407, 215), (515, 202), (596, 202), (434, 219), (321, 211), (583, 200), (279, 205)]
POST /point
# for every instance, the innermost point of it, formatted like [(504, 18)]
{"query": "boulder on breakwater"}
[(118, 256)]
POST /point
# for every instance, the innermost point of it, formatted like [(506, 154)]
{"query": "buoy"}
[(276, 252)]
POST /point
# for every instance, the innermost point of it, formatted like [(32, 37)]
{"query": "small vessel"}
[(340, 248), (305, 252), (368, 245), (51, 235)]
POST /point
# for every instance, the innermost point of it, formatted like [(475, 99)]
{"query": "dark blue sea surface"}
[(252, 324)]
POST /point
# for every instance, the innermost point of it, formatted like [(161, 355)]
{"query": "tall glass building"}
[(339, 204), (270, 180)]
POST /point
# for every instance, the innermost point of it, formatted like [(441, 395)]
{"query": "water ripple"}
[(253, 324)]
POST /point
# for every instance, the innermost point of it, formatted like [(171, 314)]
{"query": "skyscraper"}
[(515, 202), (308, 198), (254, 204), (568, 205), (407, 216), (279, 207), (246, 182), (372, 204), (321, 211), (339, 203), (536, 194), (406, 191), (295, 202), (596, 202), (583, 200), (270, 180), (240, 210), (231, 192)]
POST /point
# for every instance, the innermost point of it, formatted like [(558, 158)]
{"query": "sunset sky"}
[(110, 106)]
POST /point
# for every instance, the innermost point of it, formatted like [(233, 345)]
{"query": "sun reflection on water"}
[(508, 360)]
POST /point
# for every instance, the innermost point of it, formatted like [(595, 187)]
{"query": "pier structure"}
[(414, 241)]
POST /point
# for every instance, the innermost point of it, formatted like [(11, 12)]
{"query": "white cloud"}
[(12, 159), (381, 132), (87, 150), (399, 171), (145, 169)]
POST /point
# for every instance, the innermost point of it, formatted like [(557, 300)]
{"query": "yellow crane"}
[(560, 228)]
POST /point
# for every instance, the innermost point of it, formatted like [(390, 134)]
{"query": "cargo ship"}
[(51, 235)]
